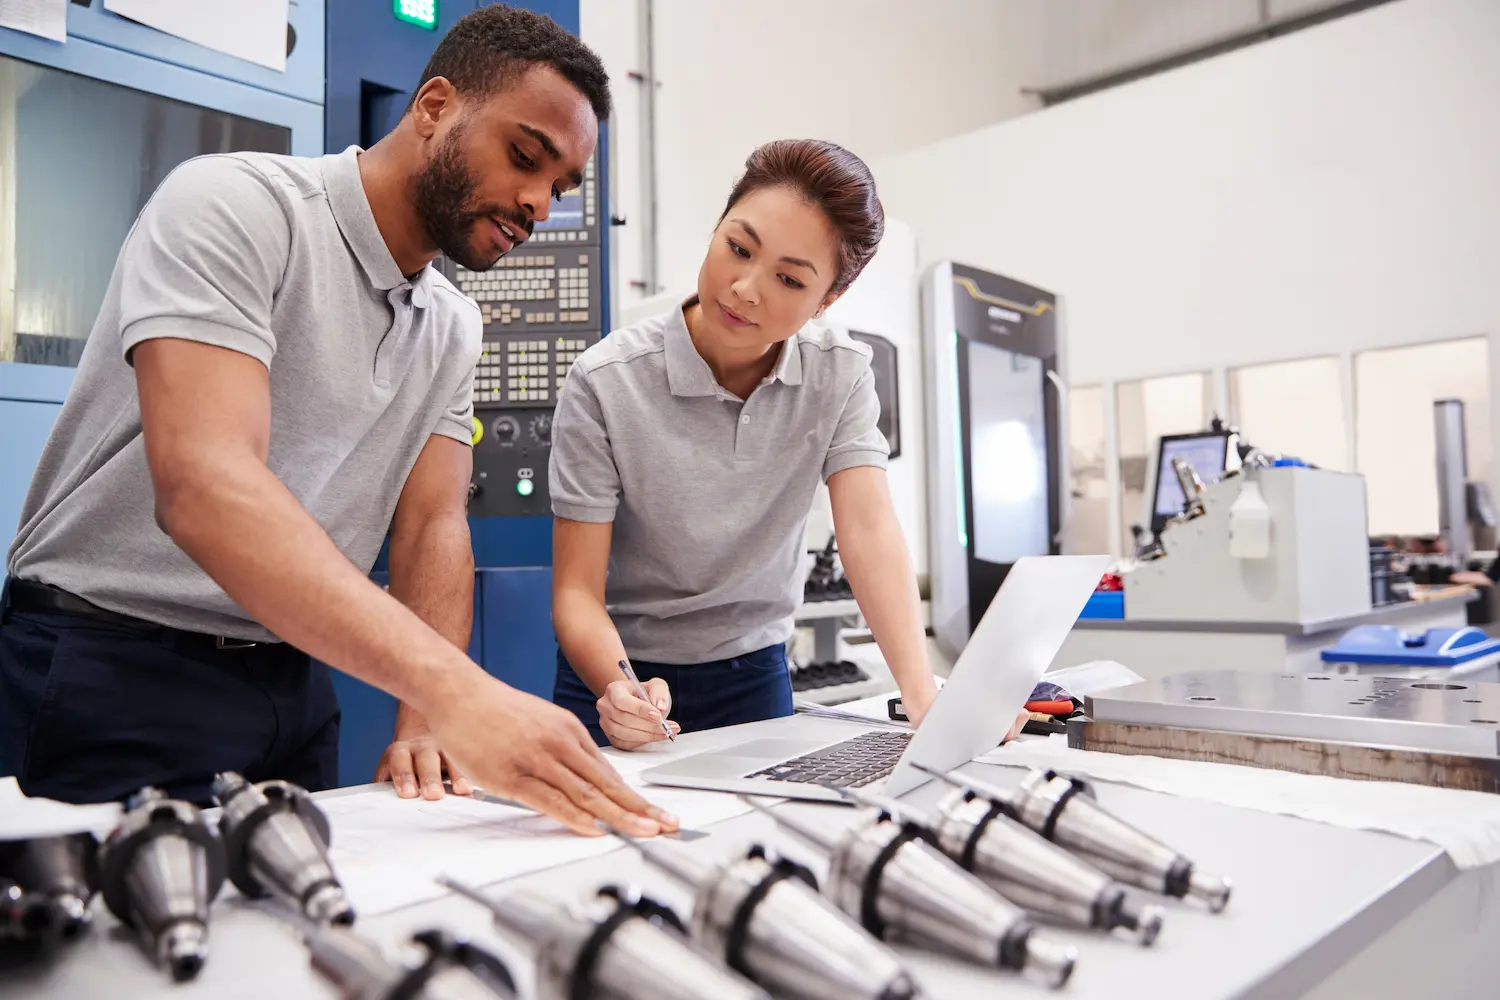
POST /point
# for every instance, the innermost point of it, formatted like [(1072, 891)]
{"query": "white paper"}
[(23, 818), (388, 851), (48, 18), (254, 30), (1465, 824)]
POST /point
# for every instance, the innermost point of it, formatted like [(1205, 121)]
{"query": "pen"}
[(640, 693)]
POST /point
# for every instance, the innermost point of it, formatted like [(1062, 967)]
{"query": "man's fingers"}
[(461, 783), (660, 695), (586, 794), (382, 772), (592, 768), (429, 764), (398, 760), (546, 799)]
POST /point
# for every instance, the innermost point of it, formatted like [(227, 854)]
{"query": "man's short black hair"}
[(486, 50)]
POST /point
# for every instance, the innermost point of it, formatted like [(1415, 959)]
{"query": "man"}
[(276, 377)]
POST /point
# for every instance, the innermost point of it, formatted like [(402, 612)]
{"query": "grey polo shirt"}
[(278, 258), (709, 494)]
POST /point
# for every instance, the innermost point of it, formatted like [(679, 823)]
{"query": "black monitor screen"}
[(1007, 454), (1204, 452), (78, 160)]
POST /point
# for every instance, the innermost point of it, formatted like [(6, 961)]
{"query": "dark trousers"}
[(709, 695), (91, 711)]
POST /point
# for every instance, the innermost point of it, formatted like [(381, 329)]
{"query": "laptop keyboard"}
[(855, 762)]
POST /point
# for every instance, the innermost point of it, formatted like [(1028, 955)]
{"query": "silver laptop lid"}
[(1012, 647)]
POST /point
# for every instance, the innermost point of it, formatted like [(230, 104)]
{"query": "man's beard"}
[(443, 197)]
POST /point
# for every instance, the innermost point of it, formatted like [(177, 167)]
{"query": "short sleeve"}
[(857, 440), (457, 420), (204, 260), (583, 479)]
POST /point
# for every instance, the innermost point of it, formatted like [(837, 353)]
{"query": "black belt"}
[(43, 598)]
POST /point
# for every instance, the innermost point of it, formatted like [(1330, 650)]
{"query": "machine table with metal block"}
[(1424, 731)]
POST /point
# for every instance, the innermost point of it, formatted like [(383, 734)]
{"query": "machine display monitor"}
[(1007, 454), (1206, 453)]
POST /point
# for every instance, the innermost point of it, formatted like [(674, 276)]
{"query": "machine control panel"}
[(541, 306)]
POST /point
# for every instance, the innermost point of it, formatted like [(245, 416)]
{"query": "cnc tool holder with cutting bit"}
[(764, 916), (437, 966), (614, 945), (1039, 876), (276, 844), (901, 887), (54, 880), (160, 869), (1063, 809)]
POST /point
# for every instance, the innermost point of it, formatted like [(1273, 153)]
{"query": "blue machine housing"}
[(1386, 644)]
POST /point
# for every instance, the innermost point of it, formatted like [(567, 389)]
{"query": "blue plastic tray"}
[(1437, 647)]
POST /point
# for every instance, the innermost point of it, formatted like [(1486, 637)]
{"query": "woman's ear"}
[(828, 301)]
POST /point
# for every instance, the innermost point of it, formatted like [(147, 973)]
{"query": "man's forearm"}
[(588, 638), (432, 573), (246, 530)]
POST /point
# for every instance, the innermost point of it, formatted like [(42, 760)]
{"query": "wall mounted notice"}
[(48, 18), (254, 30)]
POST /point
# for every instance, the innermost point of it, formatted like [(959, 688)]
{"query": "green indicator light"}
[(422, 13), (524, 487)]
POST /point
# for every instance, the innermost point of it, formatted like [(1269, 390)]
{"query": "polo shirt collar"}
[(351, 210), (689, 375)]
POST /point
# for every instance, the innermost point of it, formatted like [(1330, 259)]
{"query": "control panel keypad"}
[(525, 370), (535, 290)]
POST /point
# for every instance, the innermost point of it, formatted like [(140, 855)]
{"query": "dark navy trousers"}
[(90, 711), (747, 688)]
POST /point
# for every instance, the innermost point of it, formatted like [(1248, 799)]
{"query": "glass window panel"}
[(1087, 530), (1292, 408), (1395, 437), (1145, 409)]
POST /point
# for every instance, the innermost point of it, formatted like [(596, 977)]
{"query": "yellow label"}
[(478, 429)]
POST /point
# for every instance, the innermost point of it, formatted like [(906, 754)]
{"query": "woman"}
[(686, 452)]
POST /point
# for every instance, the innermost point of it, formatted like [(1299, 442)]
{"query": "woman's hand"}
[(631, 723), (918, 701)]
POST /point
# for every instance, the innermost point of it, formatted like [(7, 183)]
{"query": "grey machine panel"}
[(541, 308), (1425, 715)]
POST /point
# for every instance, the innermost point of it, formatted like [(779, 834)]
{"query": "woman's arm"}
[(589, 640), (873, 551)]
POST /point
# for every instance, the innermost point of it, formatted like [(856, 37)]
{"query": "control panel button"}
[(506, 430), (524, 487), (541, 428)]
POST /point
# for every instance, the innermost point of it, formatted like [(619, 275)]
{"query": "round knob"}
[(507, 430), (541, 428)]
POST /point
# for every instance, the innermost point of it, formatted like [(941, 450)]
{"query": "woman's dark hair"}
[(831, 178), (486, 50)]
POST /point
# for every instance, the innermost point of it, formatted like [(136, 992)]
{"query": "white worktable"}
[(1316, 911)]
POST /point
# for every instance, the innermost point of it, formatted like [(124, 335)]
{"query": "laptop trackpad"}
[(735, 761)]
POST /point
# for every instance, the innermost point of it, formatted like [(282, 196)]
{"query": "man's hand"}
[(415, 761), (519, 747), (631, 723)]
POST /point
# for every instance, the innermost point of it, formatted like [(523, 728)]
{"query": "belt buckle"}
[(225, 642)]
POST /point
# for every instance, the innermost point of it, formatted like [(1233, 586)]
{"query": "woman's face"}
[(769, 270)]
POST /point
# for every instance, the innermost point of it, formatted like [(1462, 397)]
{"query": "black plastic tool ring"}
[(971, 845), (582, 986), (739, 928)]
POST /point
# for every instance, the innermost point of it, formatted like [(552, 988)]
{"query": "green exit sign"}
[(422, 13)]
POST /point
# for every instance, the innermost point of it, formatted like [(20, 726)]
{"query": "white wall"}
[(1326, 193), (1333, 190), (877, 76)]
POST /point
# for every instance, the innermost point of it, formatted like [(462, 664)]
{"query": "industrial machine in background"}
[(996, 460)]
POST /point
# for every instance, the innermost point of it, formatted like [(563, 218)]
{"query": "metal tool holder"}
[(614, 945), (1064, 810), (276, 844), (762, 914), (1030, 871), (889, 875), (160, 869), (438, 966), (56, 878)]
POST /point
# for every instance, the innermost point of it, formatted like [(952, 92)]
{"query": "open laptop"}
[(800, 756)]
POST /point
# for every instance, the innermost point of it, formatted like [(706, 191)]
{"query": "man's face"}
[(497, 162)]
